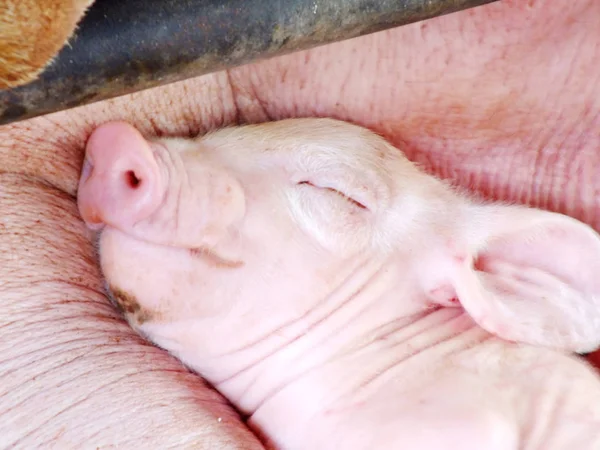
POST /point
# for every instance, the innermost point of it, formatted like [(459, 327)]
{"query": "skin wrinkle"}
[(97, 389), (351, 297), (235, 97), (318, 322), (322, 311), (160, 153), (469, 135), (358, 390), (64, 364), (134, 370), (551, 415), (44, 348), (368, 384), (212, 258)]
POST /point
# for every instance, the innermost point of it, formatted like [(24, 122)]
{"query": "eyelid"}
[(336, 191)]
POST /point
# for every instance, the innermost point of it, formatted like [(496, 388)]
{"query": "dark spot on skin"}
[(144, 316), (132, 180), (128, 305)]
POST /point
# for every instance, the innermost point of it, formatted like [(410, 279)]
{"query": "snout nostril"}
[(132, 180)]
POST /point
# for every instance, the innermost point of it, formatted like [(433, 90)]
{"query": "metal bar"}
[(123, 46)]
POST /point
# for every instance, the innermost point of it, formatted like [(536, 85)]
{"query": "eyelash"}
[(341, 194)]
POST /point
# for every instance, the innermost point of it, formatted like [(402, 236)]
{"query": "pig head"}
[(295, 262)]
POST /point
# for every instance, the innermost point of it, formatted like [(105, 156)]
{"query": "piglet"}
[(340, 297)]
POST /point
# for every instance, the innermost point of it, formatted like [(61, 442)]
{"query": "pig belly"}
[(566, 413), (489, 396), (434, 426), (442, 416), (466, 411), (447, 414), (420, 428), (552, 398)]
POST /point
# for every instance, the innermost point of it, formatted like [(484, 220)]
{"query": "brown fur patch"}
[(130, 307), (32, 32)]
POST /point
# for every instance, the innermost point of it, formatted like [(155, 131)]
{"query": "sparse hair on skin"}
[(333, 144), (351, 256)]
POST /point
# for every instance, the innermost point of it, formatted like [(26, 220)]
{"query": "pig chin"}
[(157, 283), (138, 275), (125, 274)]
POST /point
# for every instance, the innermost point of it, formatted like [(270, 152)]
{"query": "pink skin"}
[(308, 262), (503, 100)]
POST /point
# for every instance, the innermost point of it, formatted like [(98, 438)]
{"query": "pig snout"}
[(120, 182)]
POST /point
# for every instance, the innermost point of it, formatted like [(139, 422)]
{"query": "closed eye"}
[(341, 194)]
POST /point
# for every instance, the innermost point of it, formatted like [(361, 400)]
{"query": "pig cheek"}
[(148, 283)]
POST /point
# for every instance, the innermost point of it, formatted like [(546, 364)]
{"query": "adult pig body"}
[(340, 297)]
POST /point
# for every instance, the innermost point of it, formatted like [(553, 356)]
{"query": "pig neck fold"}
[(366, 321), (437, 355)]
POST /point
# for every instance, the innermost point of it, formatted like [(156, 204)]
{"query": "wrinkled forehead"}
[(307, 144)]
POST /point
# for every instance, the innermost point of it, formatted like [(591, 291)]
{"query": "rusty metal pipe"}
[(123, 46)]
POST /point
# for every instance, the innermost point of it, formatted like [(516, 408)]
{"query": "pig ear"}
[(534, 277)]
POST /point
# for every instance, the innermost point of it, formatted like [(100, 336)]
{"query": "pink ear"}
[(533, 277)]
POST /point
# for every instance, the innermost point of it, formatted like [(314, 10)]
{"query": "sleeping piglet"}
[(340, 297)]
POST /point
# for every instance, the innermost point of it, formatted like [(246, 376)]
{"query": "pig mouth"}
[(212, 258), (208, 255)]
